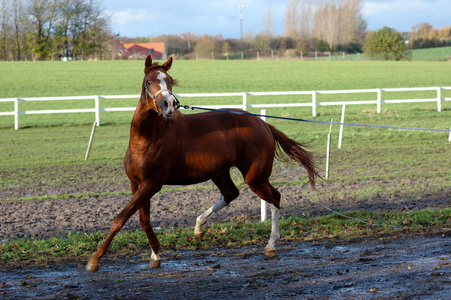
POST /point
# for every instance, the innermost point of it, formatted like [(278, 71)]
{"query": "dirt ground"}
[(414, 267), (385, 268)]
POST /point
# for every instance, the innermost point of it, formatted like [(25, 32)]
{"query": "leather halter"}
[(154, 98)]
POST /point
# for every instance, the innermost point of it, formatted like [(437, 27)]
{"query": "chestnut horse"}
[(168, 147)]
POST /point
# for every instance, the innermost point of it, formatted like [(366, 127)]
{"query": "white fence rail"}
[(244, 105)]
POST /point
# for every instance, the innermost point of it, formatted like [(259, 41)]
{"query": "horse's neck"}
[(144, 122)]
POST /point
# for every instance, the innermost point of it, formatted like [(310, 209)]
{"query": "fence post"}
[(439, 99), (449, 138), (263, 204), (16, 113), (314, 103), (379, 100), (90, 141), (244, 101), (341, 125), (328, 149), (96, 101)]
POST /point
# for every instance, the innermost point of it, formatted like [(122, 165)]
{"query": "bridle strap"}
[(154, 98)]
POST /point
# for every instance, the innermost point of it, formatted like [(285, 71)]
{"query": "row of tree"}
[(337, 22), (310, 25), (52, 29), (424, 35), (79, 29), (389, 44)]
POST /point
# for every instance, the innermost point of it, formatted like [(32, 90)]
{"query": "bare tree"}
[(291, 19), (306, 18), (211, 47), (19, 39), (353, 23), (336, 22), (268, 23), (5, 15)]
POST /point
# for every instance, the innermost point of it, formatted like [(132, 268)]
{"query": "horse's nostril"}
[(165, 103)]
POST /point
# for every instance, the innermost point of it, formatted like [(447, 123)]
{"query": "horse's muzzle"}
[(167, 105)]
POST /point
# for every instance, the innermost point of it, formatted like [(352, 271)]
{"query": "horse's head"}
[(157, 86)]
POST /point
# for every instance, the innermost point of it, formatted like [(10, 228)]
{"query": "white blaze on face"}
[(161, 76), (168, 103)]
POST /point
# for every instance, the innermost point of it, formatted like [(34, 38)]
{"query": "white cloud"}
[(127, 16)]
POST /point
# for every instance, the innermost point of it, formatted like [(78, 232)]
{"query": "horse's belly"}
[(198, 170)]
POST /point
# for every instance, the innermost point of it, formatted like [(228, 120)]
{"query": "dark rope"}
[(310, 121)]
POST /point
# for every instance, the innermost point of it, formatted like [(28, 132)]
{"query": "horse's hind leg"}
[(144, 220), (270, 249), (202, 219), (268, 193), (229, 192)]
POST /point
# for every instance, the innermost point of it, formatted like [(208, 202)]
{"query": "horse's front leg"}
[(143, 194), (144, 220)]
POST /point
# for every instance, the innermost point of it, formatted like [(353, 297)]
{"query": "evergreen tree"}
[(385, 44)]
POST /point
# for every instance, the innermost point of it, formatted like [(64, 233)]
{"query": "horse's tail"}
[(295, 151)]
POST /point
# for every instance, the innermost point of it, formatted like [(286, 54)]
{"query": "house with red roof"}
[(141, 50)]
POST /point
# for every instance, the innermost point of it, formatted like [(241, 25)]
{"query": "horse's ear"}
[(167, 65), (148, 61)]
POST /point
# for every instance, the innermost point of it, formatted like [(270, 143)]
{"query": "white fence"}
[(244, 105)]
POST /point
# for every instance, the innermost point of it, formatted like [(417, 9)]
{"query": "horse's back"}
[(235, 136), (229, 125)]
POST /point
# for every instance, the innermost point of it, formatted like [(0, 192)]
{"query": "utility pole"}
[(240, 6)]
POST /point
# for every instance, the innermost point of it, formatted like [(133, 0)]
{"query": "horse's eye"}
[(149, 82)]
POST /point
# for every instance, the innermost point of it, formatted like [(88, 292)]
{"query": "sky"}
[(137, 18)]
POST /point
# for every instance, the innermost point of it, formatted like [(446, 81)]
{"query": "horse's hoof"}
[(198, 236), (154, 263), (92, 268), (269, 253)]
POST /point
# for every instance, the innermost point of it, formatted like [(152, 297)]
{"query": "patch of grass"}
[(236, 233), (432, 54), (39, 79)]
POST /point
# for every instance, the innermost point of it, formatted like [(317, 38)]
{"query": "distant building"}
[(141, 50)]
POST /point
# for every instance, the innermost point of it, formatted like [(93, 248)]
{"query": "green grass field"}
[(430, 54), (63, 144), (39, 79), (367, 155)]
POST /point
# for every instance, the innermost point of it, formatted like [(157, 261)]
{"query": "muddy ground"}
[(415, 267)]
